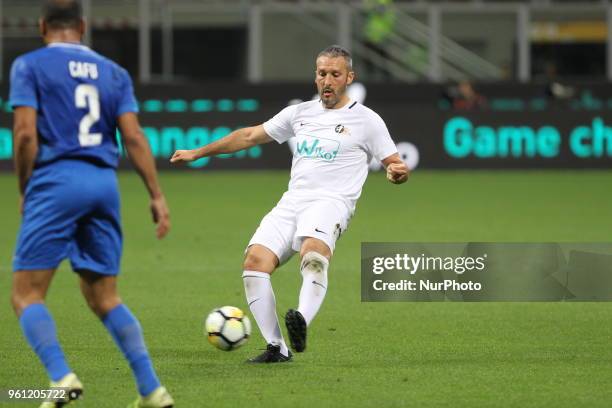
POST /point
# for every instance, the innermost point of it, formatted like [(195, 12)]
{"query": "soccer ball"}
[(227, 328)]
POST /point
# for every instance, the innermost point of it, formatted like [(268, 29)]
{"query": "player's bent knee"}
[(317, 246), (20, 301), (101, 307), (255, 263), (257, 259), (24, 293)]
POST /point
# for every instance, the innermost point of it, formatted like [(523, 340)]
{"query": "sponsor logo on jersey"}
[(318, 148)]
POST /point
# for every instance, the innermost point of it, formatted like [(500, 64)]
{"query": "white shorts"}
[(284, 228)]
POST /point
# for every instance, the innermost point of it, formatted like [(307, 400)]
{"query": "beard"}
[(334, 97)]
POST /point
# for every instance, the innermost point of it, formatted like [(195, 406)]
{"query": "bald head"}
[(62, 14)]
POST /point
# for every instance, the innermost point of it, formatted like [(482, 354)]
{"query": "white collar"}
[(69, 45), (348, 105)]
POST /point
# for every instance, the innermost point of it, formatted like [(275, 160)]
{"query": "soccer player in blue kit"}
[(68, 102)]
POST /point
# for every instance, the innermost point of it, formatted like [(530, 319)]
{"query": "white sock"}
[(260, 296), (314, 285)]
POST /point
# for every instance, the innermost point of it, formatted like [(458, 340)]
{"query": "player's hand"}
[(183, 156), (397, 173), (161, 216)]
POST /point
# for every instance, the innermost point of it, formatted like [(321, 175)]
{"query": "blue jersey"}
[(78, 95)]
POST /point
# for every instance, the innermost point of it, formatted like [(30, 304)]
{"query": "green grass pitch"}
[(359, 354)]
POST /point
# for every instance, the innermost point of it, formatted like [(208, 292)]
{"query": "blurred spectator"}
[(379, 26), (463, 96)]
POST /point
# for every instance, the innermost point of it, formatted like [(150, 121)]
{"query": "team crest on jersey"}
[(342, 130)]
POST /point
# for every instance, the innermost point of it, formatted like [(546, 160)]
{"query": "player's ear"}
[(350, 77)]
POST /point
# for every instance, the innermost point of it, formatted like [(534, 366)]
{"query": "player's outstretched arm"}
[(26, 146), (140, 155), (397, 171), (237, 140)]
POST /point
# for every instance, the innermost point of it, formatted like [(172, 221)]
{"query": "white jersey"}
[(333, 148)]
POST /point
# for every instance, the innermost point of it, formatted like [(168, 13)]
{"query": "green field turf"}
[(359, 354)]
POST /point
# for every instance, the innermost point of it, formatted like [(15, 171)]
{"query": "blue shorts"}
[(71, 210)]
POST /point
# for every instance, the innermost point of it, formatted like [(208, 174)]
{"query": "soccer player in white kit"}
[(335, 139)]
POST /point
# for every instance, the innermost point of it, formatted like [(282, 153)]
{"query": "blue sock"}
[(127, 333), (39, 328)]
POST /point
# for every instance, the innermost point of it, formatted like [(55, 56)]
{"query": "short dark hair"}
[(62, 13), (335, 51)]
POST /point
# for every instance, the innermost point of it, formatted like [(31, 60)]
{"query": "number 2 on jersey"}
[(86, 96)]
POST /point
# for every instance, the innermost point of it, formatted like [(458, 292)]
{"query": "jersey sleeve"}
[(279, 127), (127, 99), (23, 85), (379, 142)]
